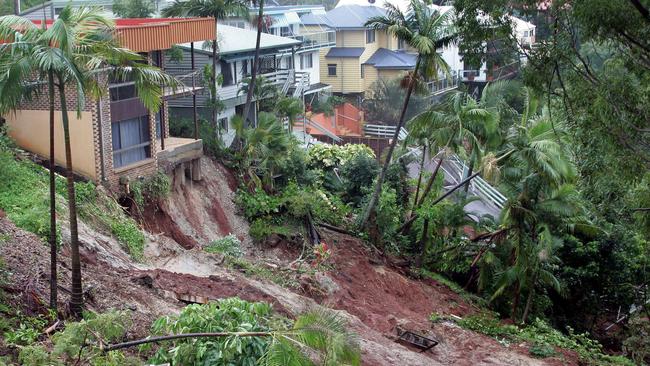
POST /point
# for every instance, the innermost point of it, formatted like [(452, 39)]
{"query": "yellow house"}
[(362, 55)]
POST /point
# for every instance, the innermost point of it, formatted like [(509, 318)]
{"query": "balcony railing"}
[(190, 81), (444, 85), (282, 79), (316, 40)]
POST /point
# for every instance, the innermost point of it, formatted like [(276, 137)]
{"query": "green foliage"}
[(134, 8), (82, 341), (96, 208), (225, 315), (151, 189), (637, 344), (541, 350), (326, 156), (262, 228), (259, 271), (357, 174), (212, 144), (28, 208), (386, 96), (543, 338), (327, 104), (229, 245)]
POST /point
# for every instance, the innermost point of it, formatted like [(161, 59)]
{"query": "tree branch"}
[(641, 9), (138, 342)]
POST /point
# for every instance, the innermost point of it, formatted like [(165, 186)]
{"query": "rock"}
[(326, 283), (143, 280)]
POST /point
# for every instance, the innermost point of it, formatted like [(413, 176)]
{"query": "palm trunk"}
[(16, 7), (515, 302), (423, 244), (52, 238), (470, 169), (417, 190), (213, 81), (256, 60), (380, 180), (529, 303), (76, 297)]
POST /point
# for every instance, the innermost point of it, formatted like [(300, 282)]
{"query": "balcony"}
[(444, 85), (282, 79), (316, 40), (179, 150), (190, 81)]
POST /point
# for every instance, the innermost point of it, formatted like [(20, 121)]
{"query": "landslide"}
[(372, 295)]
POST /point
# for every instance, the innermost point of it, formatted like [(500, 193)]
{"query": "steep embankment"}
[(372, 295)]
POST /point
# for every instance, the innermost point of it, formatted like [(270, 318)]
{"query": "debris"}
[(414, 339)]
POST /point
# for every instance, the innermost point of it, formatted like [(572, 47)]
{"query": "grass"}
[(29, 208), (466, 296), (542, 339), (278, 277)]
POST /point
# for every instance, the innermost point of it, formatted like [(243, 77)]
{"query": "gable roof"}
[(344, 17), (352, 52), (387, 59)]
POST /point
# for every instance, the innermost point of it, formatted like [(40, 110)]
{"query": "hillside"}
[(372, 295)]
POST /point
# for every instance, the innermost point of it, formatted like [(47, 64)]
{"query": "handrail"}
[(384, 131)]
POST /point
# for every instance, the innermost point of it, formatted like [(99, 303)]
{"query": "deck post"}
[(196, 121)]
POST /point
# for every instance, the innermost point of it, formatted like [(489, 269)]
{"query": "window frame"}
[(371, 36), (331, 67)]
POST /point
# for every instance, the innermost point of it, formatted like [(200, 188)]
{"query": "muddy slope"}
[(200, 212)]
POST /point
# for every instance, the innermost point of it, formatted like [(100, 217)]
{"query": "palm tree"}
[(256, 58), (537, 179), (289, 108), (262, 89), (217, 9), (424, 30), (76, 49), (16, 66)]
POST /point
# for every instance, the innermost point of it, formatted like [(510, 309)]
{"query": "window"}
[(122, 92), (131, 141), (226, 71), (159, 124), (244, 68), (223, 123), (285, 31), (400, 44), (306, 61), (525, 33), (362, 71), (331, 69), (370, 36)]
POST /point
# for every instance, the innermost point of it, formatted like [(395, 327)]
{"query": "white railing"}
[(283, 79), (384, 131), (316, 40), (478, 186), (444, 85)]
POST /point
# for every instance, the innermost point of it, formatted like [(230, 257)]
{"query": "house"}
[(291, 64), (362, 55), (116, 139)]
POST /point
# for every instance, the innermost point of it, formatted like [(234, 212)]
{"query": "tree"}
[(263, 90), (385, 95), (17, 65), (76, 48), (289, 108), (134, 8), (256, 59), (424, 30), (219, 10)]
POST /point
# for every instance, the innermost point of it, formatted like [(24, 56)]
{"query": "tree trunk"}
[(213, 81), (529, 302), (423, 244), (417, 190), (380, 180), (515, 302), (470, 169), (256, 61), (76, 297), (17, 7), (52, 238)]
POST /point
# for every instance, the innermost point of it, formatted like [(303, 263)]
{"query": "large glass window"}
[(370, 36), (131, 141), (306, 61)]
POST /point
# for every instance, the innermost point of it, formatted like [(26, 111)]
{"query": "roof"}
[(352, 52), (341, 17), (401, 4), (387, 59), (233, 40), (150, 34)]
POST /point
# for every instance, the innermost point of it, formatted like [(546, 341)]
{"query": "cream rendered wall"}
[(30, 130)]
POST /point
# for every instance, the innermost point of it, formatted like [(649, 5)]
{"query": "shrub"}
[(357, 174), (326, 156), (541, 350), (229, 245), (225, 315), (151, 189)]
